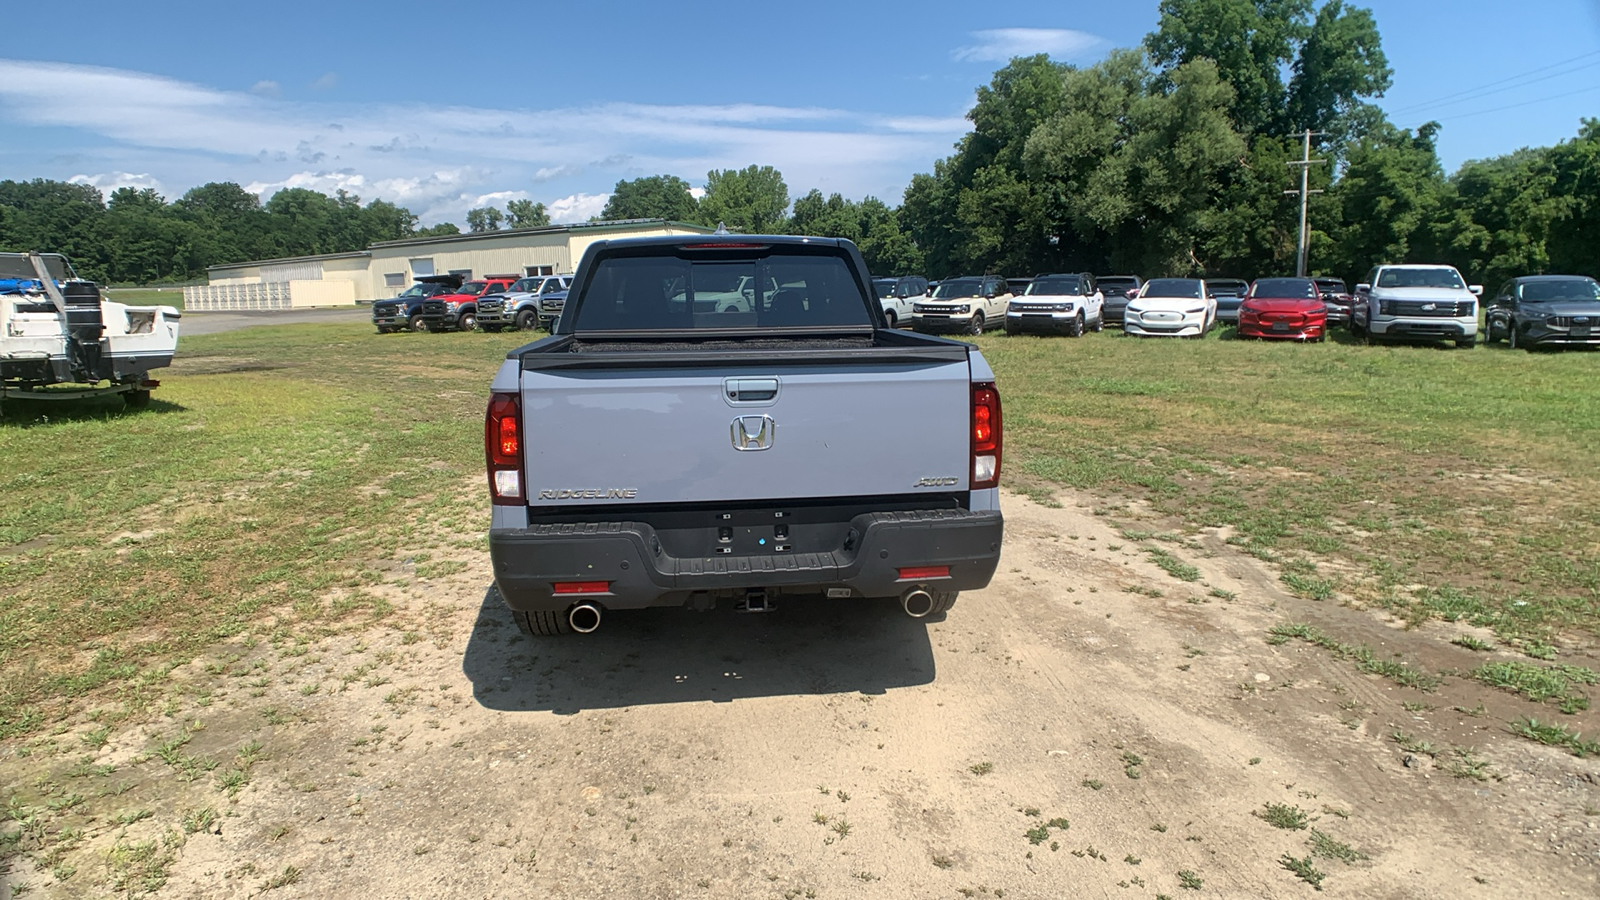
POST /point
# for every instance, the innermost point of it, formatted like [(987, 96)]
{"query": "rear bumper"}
[(639, 573), (1423, 328), (1046, 323), (1309, 331), (1538, 334), (935, 324)]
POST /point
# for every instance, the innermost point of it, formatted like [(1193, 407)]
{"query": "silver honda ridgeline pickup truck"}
[(665, 449)]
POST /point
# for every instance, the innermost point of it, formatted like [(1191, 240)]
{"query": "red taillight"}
[(987, 431), (502, 445), (921, 573), (581, 587)]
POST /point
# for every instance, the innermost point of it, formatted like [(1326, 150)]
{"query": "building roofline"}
[(603, 226), (354, 254)]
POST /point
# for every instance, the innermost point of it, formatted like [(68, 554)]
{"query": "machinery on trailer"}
[(61, 340)]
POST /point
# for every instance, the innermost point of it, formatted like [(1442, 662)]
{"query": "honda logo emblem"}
[(753, 432)]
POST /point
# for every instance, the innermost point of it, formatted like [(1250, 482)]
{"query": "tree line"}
[(140, 238), (1170, 158)]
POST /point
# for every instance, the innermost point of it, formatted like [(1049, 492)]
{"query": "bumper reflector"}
[(581, 587), (921, 572)]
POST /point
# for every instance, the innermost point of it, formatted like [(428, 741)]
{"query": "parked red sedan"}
[(1284, 308)]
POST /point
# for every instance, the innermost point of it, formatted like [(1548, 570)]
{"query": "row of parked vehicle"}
[(454, 303), (1414, 302)]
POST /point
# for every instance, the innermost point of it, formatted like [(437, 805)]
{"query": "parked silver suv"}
[(1416, 301)]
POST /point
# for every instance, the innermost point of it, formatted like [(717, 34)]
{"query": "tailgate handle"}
[(751, 390)]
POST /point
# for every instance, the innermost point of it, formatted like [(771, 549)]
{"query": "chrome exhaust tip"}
[(917, 603), (584, 618)]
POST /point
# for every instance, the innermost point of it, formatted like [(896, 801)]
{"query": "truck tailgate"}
[(745, 432)]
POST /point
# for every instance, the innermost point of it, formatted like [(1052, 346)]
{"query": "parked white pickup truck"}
[(1416, 301), (661, 451)]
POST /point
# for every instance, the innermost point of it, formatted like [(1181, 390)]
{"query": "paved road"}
[(215, 322)]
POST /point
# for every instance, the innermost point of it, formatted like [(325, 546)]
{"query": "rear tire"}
[(1100, 323), (136, 399), (894, 321), (538, 623)]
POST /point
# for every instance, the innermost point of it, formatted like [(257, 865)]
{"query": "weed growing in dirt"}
[(1281, 815), (982, 768), (1472, 643), (1131, 763), (1172, 565), (1303, 869), (1308, 587), (1540, 683), (1464, 762), (1188, 880), (1555, 735), (1327, 847), (1093, 784), (1360, 654)]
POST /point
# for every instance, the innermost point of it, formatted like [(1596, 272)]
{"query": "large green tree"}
[(652, 197), (752, 200), (526, 214)]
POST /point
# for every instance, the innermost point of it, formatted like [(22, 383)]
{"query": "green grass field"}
[(281, 472), (147, 296), (1449, 483)]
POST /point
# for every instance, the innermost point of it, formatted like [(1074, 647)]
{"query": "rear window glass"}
[(1055, 286), (1171, 287), (780, 290), (1564, 289), (1286, 289)]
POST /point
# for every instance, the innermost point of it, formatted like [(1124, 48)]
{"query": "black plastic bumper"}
[(628, 556)]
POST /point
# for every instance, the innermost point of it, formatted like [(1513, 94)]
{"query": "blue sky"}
[(446, 106)]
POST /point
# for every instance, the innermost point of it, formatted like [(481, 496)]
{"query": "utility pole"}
[(1305, 163)]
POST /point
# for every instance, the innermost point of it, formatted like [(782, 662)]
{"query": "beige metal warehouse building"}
[(385, 269)]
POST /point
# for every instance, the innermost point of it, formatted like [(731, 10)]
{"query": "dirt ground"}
[(1089, 726)]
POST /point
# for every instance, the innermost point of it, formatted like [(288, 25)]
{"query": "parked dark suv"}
[(1545, 311), (404, 312), (1336, 296), (1116, 289), (1230, 293)]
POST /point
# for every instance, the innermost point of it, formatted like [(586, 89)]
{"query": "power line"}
[(1510, 78), (1485, 112), (1501, 90)]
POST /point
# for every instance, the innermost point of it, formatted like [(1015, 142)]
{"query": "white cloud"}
[(266, 89), (576, 208), (327, 82), (1001, 44), (437, 160), (110, 181)]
